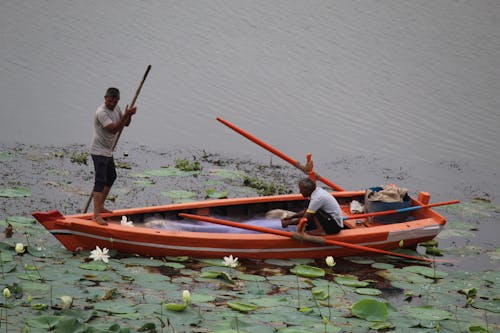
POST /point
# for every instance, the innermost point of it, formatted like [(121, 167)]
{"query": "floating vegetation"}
[(79, 158), (186, 165), (16, 192), (169, 172), (6, 155), (264, 188), (179, 194), (214, 194), (227, 174)]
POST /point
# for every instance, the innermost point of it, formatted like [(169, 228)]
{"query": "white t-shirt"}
[(103, 140), (322, 199)]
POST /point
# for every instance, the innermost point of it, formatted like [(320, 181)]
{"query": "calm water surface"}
[(402, 80)]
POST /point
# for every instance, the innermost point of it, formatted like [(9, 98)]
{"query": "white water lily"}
[(66, 302), (20, 248), (186, 296), (125, 222), (230, 261), (6, 293), (330, 261), (99, 254)]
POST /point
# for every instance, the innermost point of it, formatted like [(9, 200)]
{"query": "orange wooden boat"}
[(79, 232)]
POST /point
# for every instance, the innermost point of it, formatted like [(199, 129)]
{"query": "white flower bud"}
[(330, 262), (186, 296), (20, 248)]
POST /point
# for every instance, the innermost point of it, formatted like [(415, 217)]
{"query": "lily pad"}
[(6, 155), (227, 174), (213, 194), (350, 281), (242, 307), (18, 220), (170, 172), (308, 271), (426, 271), (17, 192), (176, 306), (179, 194), (492, 305), (428, 313), (94, 266), (368, 291), (370, 310)]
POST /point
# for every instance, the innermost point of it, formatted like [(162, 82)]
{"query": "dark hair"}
[(113, 93), (308, 183)]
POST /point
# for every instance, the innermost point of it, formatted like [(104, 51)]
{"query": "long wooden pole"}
[(300, 236), (132, 104), (322, 240), (278, 153), (121, 128)]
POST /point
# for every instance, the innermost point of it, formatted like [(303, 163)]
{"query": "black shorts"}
[(105, 172), (327, 222)]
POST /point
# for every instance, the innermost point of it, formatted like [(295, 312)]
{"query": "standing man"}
[(324, 215), (108, 121)]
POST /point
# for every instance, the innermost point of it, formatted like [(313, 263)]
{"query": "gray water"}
[(414, 81)]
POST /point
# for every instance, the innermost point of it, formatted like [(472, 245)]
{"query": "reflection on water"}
[(405, 79)]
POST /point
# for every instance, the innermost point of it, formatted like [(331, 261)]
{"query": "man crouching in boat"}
[(324, 215), (108, 121)]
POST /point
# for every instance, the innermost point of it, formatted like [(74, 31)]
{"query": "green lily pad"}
[(492, 305), (144, 183), (18, 220), (350, 281), (426, 271), (227, 174), (370, 310), (428, 313), (6, 155), (217, 275), (368, 291), (308, 271), (170, 172), (242, 307), (213, 194), (94, 266), (44, 322), (381, 265), (179, 194), (176, 306), (17, 192), (115, 307)]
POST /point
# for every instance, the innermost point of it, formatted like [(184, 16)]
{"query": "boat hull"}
[(79, 232)]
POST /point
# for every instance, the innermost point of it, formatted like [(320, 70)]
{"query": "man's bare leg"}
[(105, 193), (98, 206)]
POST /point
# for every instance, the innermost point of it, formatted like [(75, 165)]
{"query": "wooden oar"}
[(121, 128), (400, 210), (278, 153), (301, 237), (132, 104)]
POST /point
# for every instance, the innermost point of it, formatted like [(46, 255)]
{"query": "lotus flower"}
[(66, 302), (186, 296), (330, 262), (230, 261), (6, 293), (99, 254), (20, 248), (126, 223)]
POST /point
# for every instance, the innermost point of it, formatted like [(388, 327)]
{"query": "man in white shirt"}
[(323, 214), (108, 121)]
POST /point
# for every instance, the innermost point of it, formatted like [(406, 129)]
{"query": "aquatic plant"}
[(99, 254)]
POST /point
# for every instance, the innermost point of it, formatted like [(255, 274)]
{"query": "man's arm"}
[(124, 120)]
